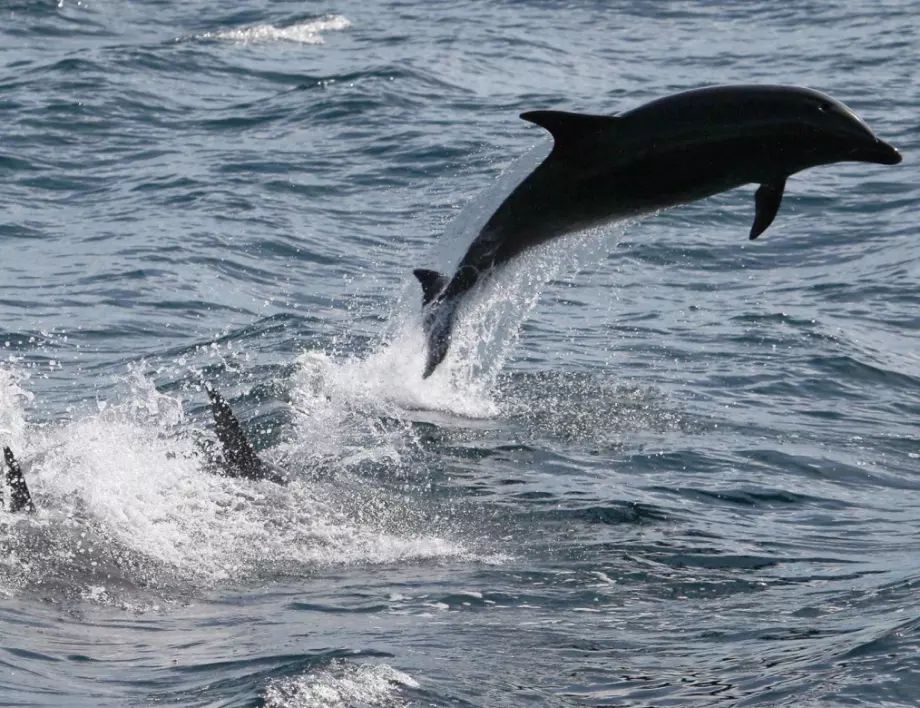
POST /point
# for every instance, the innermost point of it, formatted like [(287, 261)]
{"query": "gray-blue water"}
[(663, 465)]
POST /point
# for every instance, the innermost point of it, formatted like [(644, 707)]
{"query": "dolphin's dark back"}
[(729, 109), (608, 167)]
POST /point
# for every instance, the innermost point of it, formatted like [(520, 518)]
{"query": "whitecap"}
[(302, 32), (340, 684)]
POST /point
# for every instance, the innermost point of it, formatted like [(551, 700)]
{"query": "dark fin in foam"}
[(766, 203), (432, 283), (239, 456), (570, 128), (20, 499)]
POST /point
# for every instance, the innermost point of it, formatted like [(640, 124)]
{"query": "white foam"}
[(13, 397), (302, 32), (342, 407), (341, 685), (141, 484), (152, 494)]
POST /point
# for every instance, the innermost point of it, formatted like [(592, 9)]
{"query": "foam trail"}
[(156, 498)]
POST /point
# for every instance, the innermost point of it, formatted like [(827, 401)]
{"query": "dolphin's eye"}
[(824, 107)]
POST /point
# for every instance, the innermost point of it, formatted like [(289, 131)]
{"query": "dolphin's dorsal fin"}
[(239, 456), (432, 283), (568, 128), (766, 203)]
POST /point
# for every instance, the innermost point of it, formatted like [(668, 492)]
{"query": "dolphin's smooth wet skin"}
[(671, 151)]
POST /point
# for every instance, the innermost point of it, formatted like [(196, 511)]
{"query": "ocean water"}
[(662, 466)]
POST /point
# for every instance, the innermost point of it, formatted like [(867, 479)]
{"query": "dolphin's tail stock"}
[(20, 499), (438, 316), (238, 458), (439, 325), (440, 299)]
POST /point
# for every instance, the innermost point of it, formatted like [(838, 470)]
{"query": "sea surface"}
[(662, 466)]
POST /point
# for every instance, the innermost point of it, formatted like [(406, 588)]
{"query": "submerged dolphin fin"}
[(20, 499), (766, 203), (570, 128), (239, 456), (432, 283)]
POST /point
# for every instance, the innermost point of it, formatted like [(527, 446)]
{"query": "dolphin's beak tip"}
[(887, 154)]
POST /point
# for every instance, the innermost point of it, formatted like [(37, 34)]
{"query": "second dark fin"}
[(766, 203), (239, 456), (432, 283), (20, 499)]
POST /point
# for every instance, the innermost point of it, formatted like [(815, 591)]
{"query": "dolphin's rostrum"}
[(671, 151)]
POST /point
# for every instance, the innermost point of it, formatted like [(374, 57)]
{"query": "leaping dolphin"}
[(671, 151)]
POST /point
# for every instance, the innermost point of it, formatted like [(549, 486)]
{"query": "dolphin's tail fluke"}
[(440, 298), (432, 283), (438, 316), (239, 457), (20, 499)]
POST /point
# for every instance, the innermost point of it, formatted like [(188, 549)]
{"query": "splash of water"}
[(337, 399), (126, 497), (13, 396), (491, 318), (388, 382)]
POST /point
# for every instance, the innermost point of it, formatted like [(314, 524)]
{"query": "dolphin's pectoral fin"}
[(766, 203), (432, 283), (20, 499), (570, 128), (239, 456)]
